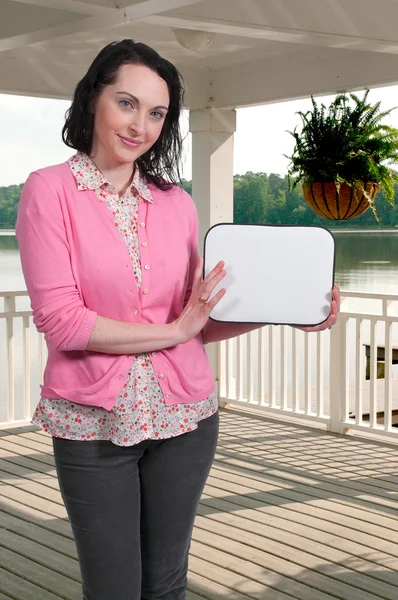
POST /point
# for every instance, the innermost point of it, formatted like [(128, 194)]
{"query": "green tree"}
[(251, 199), (258, 198)]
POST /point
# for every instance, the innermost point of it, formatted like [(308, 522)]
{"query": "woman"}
[(109, 251)]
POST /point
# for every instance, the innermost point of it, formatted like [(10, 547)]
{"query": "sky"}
[(30, 135)]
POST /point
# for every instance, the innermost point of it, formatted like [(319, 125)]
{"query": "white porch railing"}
[(317, 377), (321, 376)]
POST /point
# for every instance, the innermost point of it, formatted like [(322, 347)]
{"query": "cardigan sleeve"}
[(58, 309)]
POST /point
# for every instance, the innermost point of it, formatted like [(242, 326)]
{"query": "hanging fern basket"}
[(339, 202)]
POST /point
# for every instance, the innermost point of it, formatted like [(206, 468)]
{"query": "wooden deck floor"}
[(288, 513)]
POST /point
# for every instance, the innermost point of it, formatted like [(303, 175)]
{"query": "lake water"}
[(365, 261)]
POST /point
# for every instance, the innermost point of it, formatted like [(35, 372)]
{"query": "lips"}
[(130, 142)]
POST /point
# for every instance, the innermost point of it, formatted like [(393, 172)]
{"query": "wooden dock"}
[(289, 512)]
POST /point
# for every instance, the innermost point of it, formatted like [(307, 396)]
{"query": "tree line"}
[(258, 198)]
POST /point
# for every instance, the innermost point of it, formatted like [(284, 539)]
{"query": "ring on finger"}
[(202, 300)]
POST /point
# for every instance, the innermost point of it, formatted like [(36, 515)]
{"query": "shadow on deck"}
[(289, 512)]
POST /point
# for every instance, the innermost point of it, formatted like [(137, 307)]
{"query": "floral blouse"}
[(140, 412)]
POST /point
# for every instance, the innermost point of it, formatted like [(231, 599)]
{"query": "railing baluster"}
[(250, 367), (9, 309), (261, 366), (307, 373), (388, 376), (373, 374), (272, 367), (26, 347), (222, 369), (239, 369), (319, 374), (283, 368), (358, 373), (295, 372)]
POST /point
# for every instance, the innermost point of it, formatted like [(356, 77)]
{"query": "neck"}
[(120, 175)]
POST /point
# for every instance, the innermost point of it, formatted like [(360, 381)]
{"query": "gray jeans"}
[(132, 510)]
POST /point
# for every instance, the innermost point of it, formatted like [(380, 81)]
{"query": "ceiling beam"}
[(275, 34), (120, 16), (35, 76), (77, 6), (286, 78)]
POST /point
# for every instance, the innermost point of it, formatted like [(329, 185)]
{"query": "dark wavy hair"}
[(160, 165)]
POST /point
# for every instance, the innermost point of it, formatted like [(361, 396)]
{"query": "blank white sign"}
[(275, 274)]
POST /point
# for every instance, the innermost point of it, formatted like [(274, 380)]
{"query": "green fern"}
[(346, 143)]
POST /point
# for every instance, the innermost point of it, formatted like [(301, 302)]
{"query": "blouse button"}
[(146, 292), (135, 311), (144, 244), (147, 267), (142, 224), (168, 395), (161, 375), (153, 353)]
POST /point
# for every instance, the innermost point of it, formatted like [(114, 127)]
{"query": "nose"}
[(138, 123)]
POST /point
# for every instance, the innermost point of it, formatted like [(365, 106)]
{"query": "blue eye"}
[(158, 114), (125, 103)]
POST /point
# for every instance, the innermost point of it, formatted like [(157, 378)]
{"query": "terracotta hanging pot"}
[(339, 203)]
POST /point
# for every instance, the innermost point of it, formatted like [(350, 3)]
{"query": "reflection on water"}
[(365, 261), (11, 278)]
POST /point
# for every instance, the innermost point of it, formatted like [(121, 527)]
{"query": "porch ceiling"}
[(264, 50)]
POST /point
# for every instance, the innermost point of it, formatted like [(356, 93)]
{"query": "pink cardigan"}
[(76, 266)]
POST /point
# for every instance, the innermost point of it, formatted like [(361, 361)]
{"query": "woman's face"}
[(129, 115)]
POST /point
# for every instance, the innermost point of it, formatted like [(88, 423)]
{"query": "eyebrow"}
[(138, 102)]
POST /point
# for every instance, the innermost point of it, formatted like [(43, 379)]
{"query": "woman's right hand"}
[(198, 308)]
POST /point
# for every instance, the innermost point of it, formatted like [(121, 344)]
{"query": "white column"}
[(212, 165), (212, 177), (339, 373)]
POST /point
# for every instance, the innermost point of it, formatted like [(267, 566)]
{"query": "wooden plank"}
[(314, 464), (35, 436), (328, 491), (18, 429), (332, 534), (190, 596), (21, 440), (28, 462), (41, 518), (19, 450), (27, 569), (228, 585), (50, 558), (42, 555), (316, 562), (326, 510), (11, 472), (211, 588), (36, 533), (21, 589), (315, 448), (293, 547), (346, 465), (268, 570), (23, 497), (329, 483), (33, 487)]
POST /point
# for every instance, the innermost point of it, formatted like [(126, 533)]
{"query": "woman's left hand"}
[(334, 313)]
